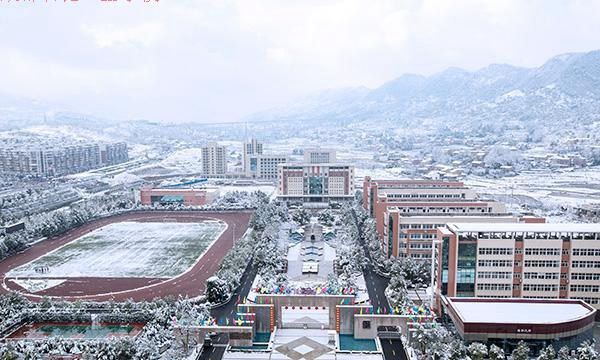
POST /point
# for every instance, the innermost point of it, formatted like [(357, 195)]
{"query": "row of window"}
[(495, 251), (585, 276), (586, 252), (585, 264), (546, 276), (420, 246), (542, 251), (494, 287), (542, 263), (421, 226), (426, 196), (585, 288), (495, 263), (589, 300), (494, 275), (540, 287)]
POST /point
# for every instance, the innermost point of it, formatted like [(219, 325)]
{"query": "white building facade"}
[(315, 182)]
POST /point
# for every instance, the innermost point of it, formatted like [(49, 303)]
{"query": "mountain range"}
[(564, 90)]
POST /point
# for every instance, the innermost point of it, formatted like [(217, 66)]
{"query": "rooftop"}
[(525, 227), (519, 311)]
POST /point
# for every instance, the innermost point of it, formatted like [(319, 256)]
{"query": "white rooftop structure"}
[(525, 227), (520, 312)]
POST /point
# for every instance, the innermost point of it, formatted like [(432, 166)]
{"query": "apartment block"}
[(47, 159), (315, 182), (214, 159), (522, 260)]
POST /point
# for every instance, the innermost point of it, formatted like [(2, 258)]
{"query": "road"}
[(393, 349), (376, 284), (228, 310)]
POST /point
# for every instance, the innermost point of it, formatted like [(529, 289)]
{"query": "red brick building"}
[(188, 196)]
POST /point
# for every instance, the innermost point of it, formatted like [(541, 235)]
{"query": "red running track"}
[(191, 283)]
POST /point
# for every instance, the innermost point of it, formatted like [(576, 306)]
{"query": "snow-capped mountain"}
[(564, 90)]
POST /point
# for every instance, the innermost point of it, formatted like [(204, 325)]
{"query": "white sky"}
[(210, 61)]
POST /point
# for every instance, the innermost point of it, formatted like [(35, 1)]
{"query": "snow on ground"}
[(184, 160), (35, 285), (551, 188), (127, 249)]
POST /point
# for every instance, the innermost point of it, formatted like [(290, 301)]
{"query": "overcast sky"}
[(212, 61)]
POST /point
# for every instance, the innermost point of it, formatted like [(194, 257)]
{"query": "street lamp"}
[(434, 244)]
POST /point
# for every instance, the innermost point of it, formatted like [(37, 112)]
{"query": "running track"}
[(191, 283)]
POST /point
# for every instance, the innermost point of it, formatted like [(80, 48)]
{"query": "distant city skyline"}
[(219, 61)]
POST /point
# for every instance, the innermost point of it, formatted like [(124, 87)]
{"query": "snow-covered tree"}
[(586, 351), (217, 290), (564, 353), (547, 353), (302, 216), (477, 351), (521, 352), (496, 353)]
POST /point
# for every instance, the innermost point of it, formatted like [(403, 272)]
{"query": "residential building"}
[(319, 156), (522, 260), (47, 159), (315, 182), (214, 159)]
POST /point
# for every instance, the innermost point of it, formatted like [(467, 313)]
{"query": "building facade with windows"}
[(319, 156), (49, 159), (315, 182), (188, 196), (264, 166), (214, 159), (521, 260), (423, 197), (250, 148), (412, 234)]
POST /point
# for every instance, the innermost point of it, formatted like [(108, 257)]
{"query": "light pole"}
[(434, 244), (233, 237)]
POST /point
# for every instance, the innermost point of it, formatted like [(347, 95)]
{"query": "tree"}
[(477, 351), (496, 353), (521, 352), (586, 351), (326, 218), (564, 353), (217, 290), (547, 353), (301, 216)]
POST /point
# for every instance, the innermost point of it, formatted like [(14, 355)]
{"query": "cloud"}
[(220, 60), (107, 35)]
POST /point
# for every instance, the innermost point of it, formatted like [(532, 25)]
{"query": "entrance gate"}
[(304, 317)]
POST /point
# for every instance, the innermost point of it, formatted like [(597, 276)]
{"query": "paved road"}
[(190, 283), (376, 284), (214, 352), (229, 310), (393, 349)]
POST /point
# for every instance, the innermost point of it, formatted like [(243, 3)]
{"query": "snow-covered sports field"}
[(128, 249)]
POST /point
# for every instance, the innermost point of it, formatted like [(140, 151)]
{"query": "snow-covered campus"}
[(299, 180)]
